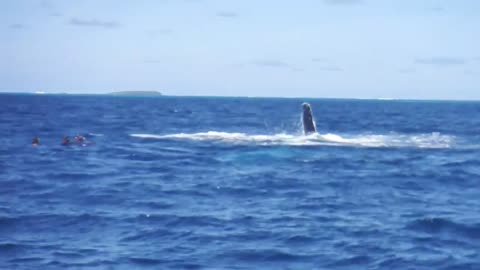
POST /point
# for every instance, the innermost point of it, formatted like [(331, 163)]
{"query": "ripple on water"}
[(445, 227)]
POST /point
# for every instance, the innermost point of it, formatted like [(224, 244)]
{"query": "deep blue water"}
[(231, 183)]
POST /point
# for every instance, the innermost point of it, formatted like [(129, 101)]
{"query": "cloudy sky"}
[(425, 49)]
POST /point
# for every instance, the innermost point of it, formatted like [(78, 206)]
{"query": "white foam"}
[(95, 134), (432, 140)]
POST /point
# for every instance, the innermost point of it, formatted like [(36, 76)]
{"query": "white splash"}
[(95, 134), (432, 140)]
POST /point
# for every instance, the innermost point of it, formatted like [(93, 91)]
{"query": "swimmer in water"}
[(66, 140), (79, 139), (35, 141)]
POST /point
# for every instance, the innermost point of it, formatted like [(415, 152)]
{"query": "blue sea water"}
[(231, 183)]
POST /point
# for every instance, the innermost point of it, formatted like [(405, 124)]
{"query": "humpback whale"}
[(307, 120)]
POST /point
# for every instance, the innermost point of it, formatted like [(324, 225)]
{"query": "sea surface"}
[(232, 183)]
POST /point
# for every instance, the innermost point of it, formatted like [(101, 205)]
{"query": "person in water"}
[(79, 139), (66, 140), (35, 141)]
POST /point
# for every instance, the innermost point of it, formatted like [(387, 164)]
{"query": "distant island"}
[(136, 93)]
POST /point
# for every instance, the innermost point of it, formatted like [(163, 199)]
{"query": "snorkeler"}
[(35, 141), (66, 140), (79, 139)]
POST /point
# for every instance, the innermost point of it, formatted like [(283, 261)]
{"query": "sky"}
[(413, 49)]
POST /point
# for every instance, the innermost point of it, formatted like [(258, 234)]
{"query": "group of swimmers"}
[(66, 140)]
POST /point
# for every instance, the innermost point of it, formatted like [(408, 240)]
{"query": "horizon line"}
[(41, 93)]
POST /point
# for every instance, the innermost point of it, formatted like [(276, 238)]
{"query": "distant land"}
[(136, 93)]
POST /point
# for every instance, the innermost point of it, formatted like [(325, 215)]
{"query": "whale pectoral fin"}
[(307, 119)]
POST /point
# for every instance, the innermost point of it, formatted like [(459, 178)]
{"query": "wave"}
[(429, 140)]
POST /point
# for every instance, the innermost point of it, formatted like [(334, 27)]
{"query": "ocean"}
[(232, 183)]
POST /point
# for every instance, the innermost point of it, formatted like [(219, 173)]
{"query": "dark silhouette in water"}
[(66, 140), (35, 141), (307, 120)]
